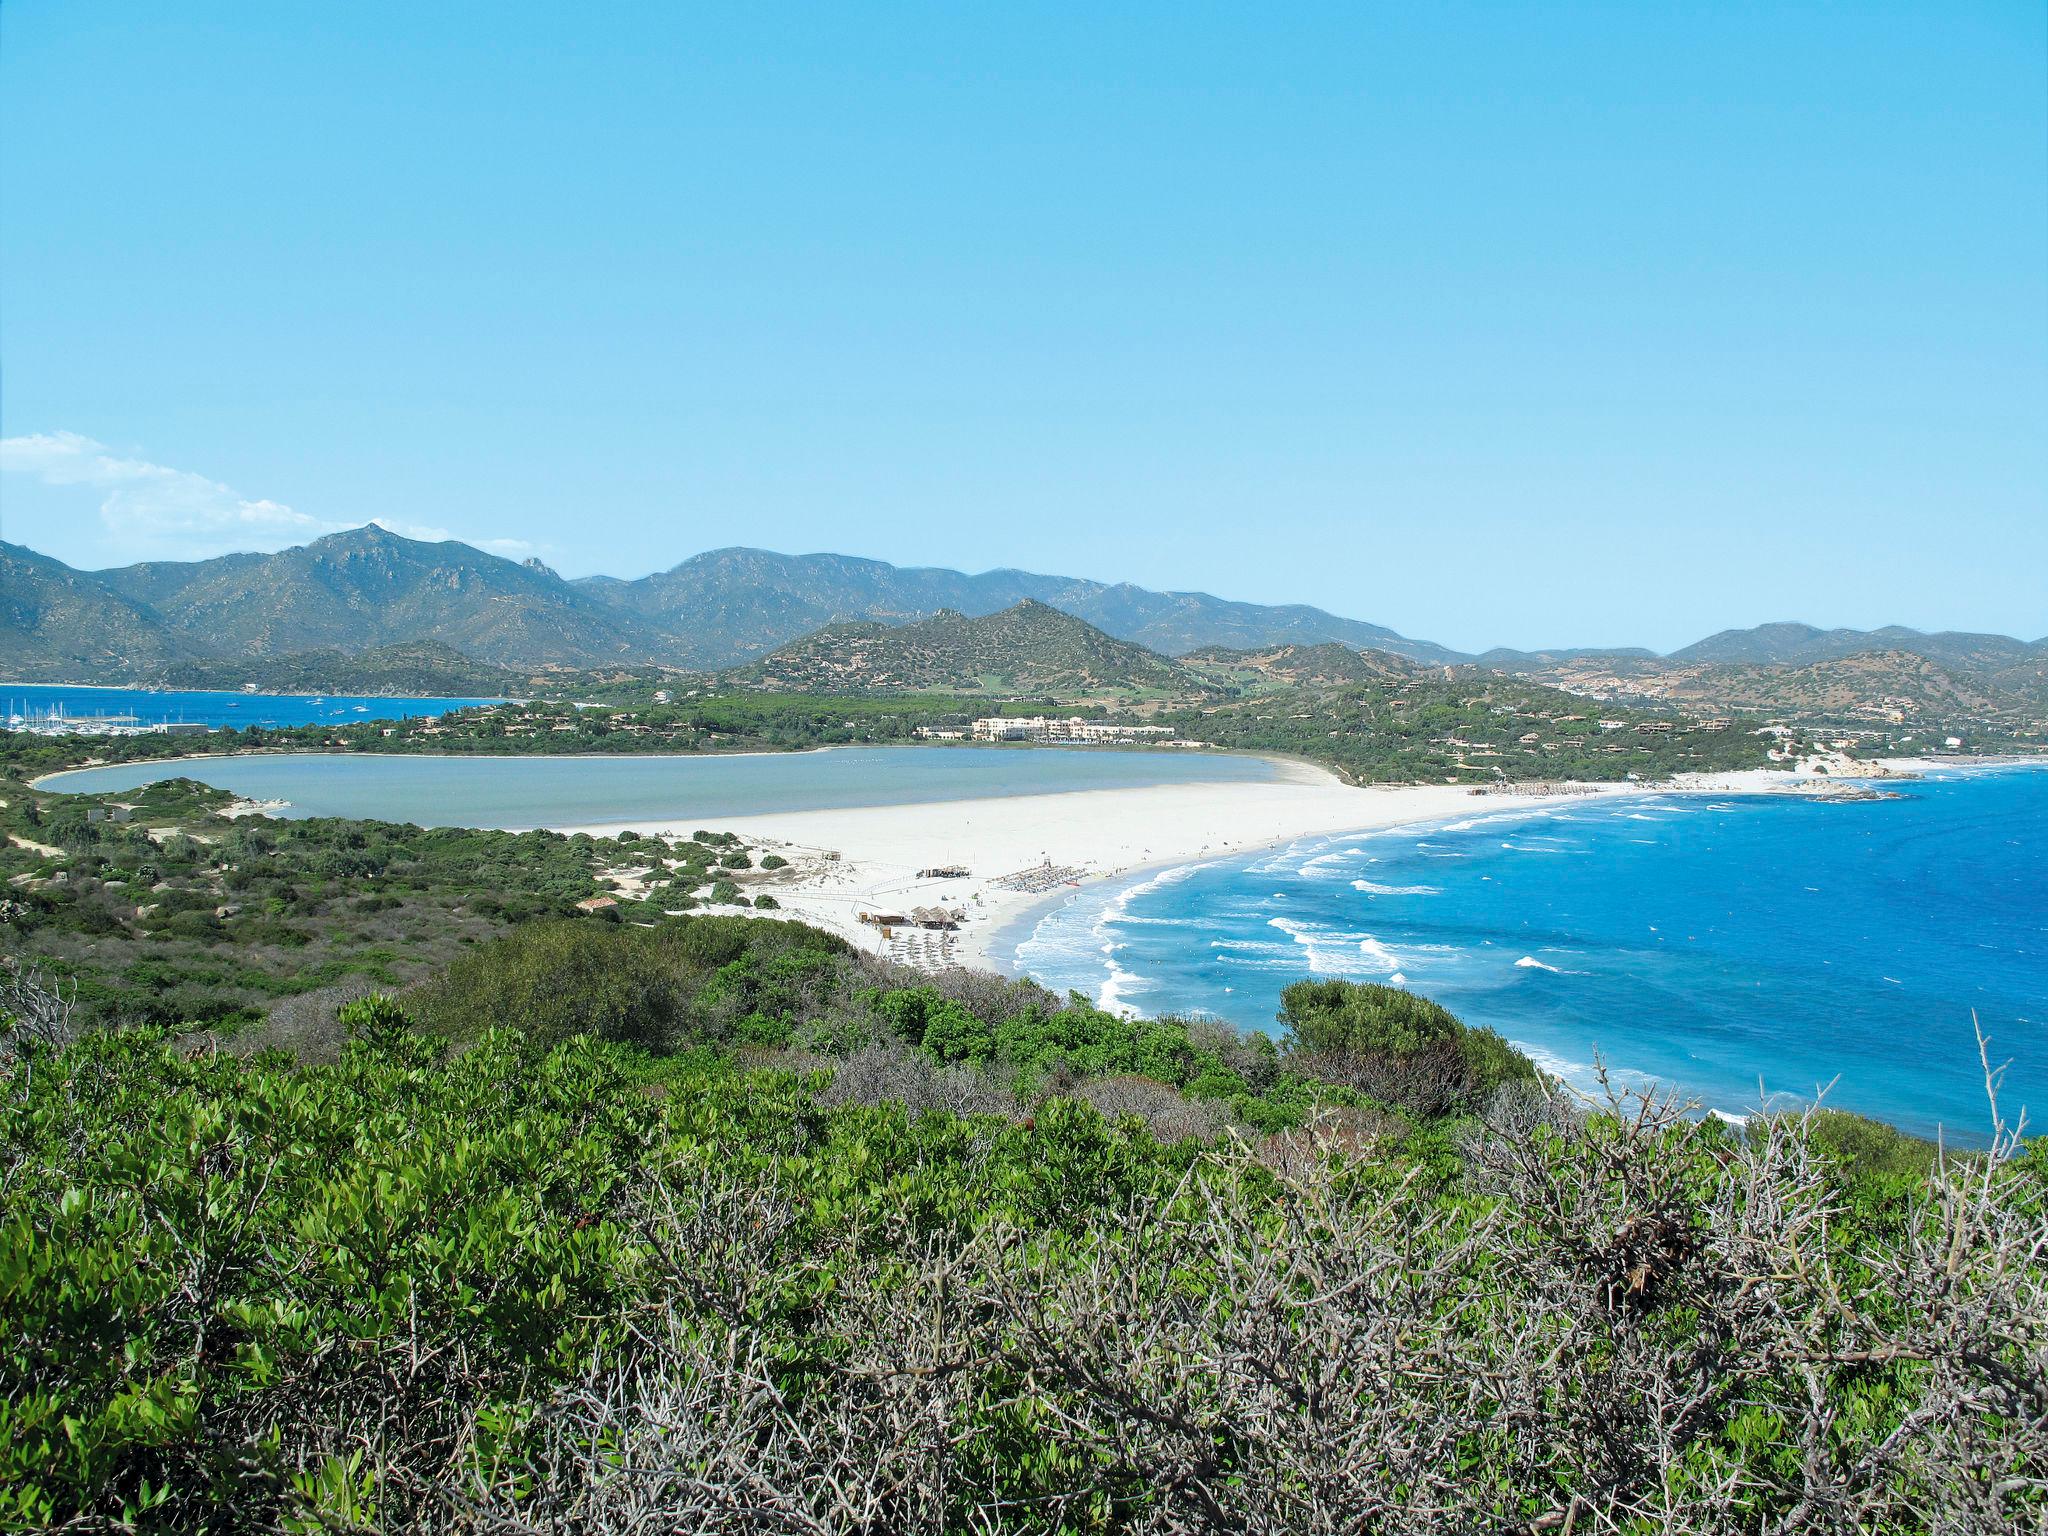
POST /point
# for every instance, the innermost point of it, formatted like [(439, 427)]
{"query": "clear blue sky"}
[(1541, 323)]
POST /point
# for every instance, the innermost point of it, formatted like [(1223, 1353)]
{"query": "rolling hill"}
[(1294, 666), (1030, 650), (418, 668), (1893, 677), (1871, 688), (61, 625), (1802, 645)]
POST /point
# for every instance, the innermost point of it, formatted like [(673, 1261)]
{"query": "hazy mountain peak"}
[(368, 536)]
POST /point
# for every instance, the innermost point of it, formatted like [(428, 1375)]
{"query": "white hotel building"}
[(1074, 732)]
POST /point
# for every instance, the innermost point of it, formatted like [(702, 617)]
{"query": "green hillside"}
[(1029, 650), (370, 587), (1467, 725), (647, 1218), (60, 625), (1290, 666)]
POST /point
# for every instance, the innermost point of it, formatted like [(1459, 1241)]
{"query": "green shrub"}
[(552, 980), (1396, 1048), (1363, 1016)]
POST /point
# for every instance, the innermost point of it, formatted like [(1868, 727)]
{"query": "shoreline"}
[(998, 946), (843, 862), (1024, 854)]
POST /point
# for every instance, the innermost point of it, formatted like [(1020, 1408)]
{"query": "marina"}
[(69, 709)]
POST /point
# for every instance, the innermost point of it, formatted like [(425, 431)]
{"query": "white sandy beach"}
[(847, 862), (843, 863)]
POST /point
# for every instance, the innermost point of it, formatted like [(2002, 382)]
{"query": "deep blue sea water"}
[(521, 792), (239, 710), (1708, 943)]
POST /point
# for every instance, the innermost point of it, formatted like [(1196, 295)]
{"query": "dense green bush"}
[(215, 1275), (553, 980), (574, 1287), (1364, 1017), (1397, 1048), (719, 980), (240, 1251)]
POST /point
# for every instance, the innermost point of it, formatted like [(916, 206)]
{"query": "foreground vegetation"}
[(719, 1227), (181, 915)]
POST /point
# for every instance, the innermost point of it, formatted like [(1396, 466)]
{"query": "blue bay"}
[(1709, 943), (237, 710)]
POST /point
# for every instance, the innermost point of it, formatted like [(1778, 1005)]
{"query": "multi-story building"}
[(1073, 732)]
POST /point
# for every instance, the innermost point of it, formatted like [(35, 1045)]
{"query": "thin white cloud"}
[(151, 511), (152, 506), (421, 531), (511, 549)]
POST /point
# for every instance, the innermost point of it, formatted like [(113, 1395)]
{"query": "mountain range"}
[(730, 604), (371, 589)]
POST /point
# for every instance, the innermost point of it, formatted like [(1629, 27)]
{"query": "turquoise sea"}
[(239, 710), (1748, 949), (517, 793)]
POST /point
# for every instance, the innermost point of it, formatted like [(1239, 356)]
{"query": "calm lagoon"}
[(517, 793)]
